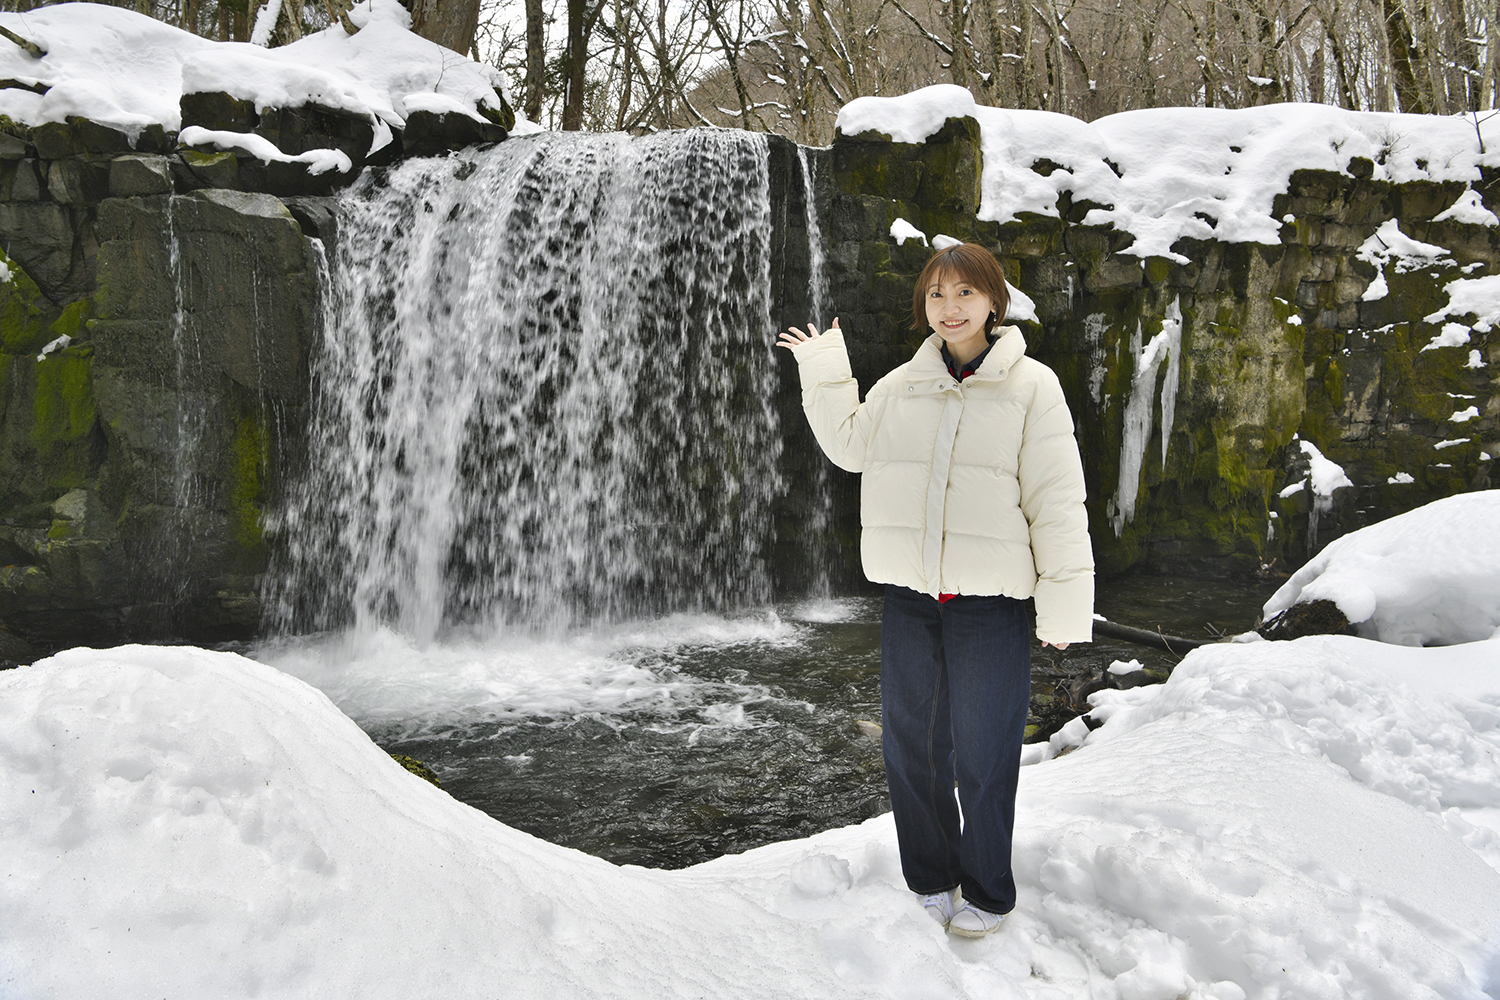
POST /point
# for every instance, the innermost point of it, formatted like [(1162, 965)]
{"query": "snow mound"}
[(1280, 819), (1165, 174), (115, 66), (189, 823), (1430, 576)]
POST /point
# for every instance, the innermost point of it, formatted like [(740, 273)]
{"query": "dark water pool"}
[(784, 749)]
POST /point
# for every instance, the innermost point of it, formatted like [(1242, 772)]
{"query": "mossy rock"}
[(416, 767), (65, 426), (1321, 617), (248, 459), (25, 313)]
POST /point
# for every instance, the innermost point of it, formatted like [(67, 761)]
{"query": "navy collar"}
[(961, 373)]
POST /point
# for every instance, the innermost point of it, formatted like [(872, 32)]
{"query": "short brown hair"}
[(970, 263)]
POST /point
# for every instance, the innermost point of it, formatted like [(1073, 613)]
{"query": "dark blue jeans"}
[(955, 684)]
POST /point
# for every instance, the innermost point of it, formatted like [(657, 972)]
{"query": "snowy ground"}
[(1319, 818)]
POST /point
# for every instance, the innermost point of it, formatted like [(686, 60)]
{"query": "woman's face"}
[(957, 311)]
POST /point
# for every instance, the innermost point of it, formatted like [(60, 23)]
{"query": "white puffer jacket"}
[(970, 487)]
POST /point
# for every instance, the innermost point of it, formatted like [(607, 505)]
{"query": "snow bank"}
[(115, 66), (1282, 819), (1429, 576), (191, 823), (1167, 173)]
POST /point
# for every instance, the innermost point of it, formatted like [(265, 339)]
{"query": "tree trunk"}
[(1398, 38), (958, 30), (450, 23), (536, 60), (574, 58)]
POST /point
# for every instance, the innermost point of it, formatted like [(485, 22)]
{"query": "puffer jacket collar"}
[(927, 370)]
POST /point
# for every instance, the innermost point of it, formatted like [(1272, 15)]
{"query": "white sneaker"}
[(972, 922), (939, 905)]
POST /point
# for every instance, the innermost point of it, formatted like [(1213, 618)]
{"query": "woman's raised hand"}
[(793, 336)]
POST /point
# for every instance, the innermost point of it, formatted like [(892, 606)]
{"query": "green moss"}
[(416, 767), (249, 458), (64, 417), (11, 127), (24, 312), (74, 319), (1158, 270), (64, 405), (200, 160), (61, 530)]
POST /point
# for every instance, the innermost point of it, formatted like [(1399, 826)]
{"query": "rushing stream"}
[(532, 543), (670, 741)]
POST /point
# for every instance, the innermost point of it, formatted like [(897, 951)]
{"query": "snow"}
[(1477, 297), (942, 242), (1451, 335), (1201, 173), (1469, 208), (128, 70), (1464, 416), (1401, 479), (901, 231), (1430, 576), (319, 161), (56, 344), (1279, 819), (1389, 243), (1324, 475)]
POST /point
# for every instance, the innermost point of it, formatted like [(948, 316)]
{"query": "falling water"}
[(816, 281), (546, 393), (819, 515)]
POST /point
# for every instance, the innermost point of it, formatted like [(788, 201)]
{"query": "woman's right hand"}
[(793, 336)]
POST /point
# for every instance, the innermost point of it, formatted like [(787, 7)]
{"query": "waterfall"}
[(817, 258), (544, 395)]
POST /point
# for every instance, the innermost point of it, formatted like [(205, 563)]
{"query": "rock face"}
[(1276, 343), (136, 459), (157, 307), (173, 296)]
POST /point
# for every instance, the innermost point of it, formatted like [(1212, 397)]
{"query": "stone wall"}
[(138, 458), (1277, 344)]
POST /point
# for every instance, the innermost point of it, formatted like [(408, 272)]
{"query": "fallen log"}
[(1145, 637), (35, 50)]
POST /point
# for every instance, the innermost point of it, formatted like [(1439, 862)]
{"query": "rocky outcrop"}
[(1278, 346), (157, 306)]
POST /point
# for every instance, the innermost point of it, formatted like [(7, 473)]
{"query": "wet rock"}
[(428, 133), (1320, 617), (218, 112), (318, 217), (25, 184), (78, 181), (195, 169), (39, 236), (138, 175), (14, 651)]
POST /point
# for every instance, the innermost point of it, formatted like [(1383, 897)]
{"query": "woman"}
[(971, 502)]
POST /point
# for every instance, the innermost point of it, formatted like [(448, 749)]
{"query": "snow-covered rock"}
[(1430, 576)]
